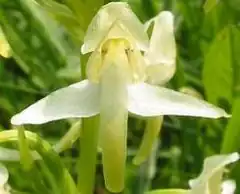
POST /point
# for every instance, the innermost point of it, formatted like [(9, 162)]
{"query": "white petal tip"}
[(167, 17), (235, 157), (228, 187), (224, 115), (83, 49), (16, 120), (166, 14), (220, 113), (227, 115)]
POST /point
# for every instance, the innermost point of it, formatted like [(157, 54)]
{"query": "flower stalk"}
[(88, 155), (88, 149), (25, 155)]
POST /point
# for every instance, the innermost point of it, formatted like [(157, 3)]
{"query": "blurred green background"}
[(46, 56)]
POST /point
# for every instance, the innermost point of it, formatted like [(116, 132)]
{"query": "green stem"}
[(88, 147), (148, 170), (25, 155), (88, 155), (69, 138)]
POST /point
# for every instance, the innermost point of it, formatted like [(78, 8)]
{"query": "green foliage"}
[(218, 62)]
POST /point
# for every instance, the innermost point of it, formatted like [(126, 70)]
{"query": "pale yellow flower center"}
[(109, 52)]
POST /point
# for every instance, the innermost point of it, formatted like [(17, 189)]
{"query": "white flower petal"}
[(160, 73), (211, 176), (109, 14), (74, 101), (228, 187), (148, 100), (4, 175), (161, 55)]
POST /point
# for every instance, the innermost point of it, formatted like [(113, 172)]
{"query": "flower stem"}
[(69, 138), (25, 156), (148, 170), (88, 155), (88, 147)]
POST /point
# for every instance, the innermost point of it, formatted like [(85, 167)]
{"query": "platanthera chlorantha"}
[(4, 175), (117, 84), (210, 179)]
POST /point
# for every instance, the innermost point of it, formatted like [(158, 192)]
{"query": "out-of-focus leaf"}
[(55, 172), (36, 41), (232, 131), (218, 70), (64, 16), (75, 15), (234, 4), (95, 5), (209, 5)]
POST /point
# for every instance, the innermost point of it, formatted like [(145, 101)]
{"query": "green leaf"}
[(232, 132), (221, 76), (78, 13), (210, 4), (52, 167), (218, 70), (37, 42), (64, 16), (25, 156)]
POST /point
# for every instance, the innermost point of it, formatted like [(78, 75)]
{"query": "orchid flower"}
[(115, 85), (4, 175), (228, 187), (210, 179), (5, 49)]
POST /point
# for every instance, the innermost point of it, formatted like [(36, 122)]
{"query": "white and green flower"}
[(228, 187), (4, 175), (210, 179), (118, 77)]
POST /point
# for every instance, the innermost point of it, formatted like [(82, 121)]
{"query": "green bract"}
[(115, 85)]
